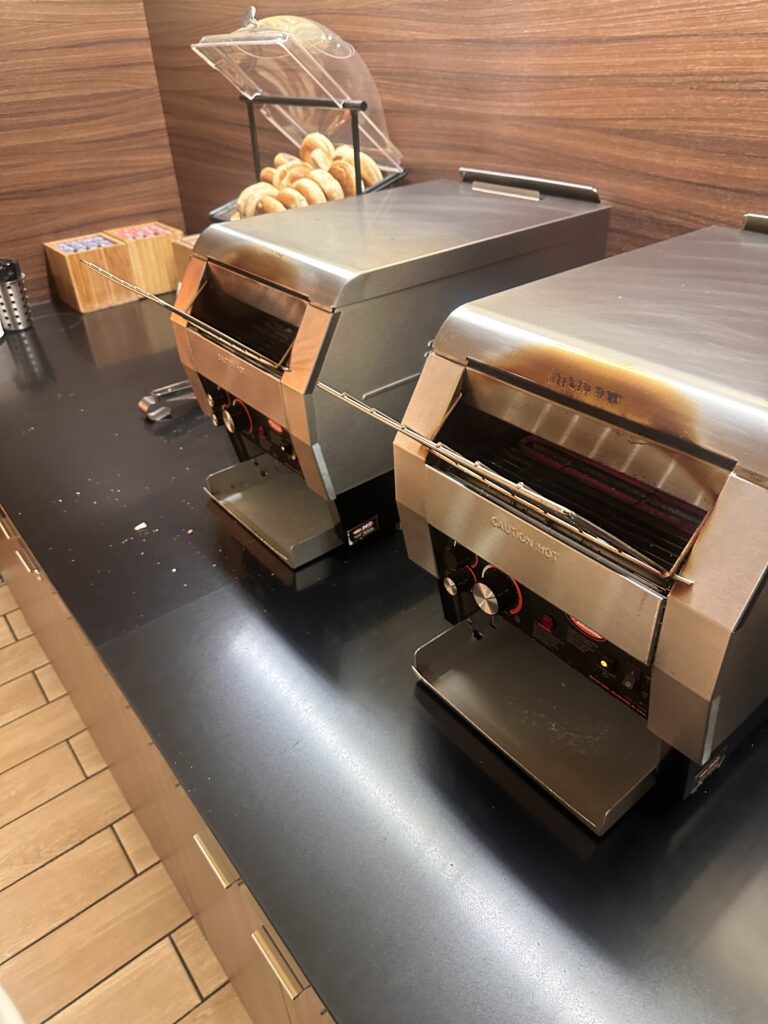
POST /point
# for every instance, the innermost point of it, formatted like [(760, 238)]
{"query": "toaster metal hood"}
[(372, 245), (673, 337)]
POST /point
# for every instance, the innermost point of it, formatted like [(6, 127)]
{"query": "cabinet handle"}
[(4, 529), (25, 563), (225, 875), (277, 962)]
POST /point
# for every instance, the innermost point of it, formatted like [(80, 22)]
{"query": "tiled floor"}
[(92, 929)]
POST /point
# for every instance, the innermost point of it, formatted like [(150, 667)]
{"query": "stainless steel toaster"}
[(350, 293), (584, 467)]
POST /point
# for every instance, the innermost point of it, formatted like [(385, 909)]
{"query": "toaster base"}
[(590, 752), (275, 505)]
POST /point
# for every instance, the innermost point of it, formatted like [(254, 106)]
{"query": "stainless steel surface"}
[(274, 504), (367, 284), (672, 338), (14, 307), (756, 222), (618, 606), (339, 253), (713, 642), (592, 754), (544, 186), (653, 364)]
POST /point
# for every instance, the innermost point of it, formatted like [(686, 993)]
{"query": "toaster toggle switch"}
[(459, 581)]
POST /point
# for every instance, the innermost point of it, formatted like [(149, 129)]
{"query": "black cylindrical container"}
[(14, 307)]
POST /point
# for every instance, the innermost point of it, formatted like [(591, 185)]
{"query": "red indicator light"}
[(547, 622)]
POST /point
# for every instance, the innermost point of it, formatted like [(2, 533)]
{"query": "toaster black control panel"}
[(471, 586), (252, 432)]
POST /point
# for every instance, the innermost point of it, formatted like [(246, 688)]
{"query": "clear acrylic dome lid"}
[(287, 55)]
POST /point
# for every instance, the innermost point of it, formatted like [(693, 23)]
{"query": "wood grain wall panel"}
[(84, 144), (661, 103)]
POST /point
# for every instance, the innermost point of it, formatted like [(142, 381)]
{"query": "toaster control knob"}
[(459, 581), (236, 417), (495, 592), (216, 400)]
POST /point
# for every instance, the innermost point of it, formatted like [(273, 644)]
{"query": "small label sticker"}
[(704, 773), (362, 530)]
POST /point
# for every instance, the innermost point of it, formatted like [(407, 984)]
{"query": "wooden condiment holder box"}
[(81, 288), (182, 251), (153, 265)]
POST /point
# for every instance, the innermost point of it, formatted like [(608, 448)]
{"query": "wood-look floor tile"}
[(7, 601), (140, 851), (21, 657), (47, 832), (199, 957), (18, 624), (59, 891), (49, 975), (87, 753), (153, 989), (48, 677), (222, 1008), (18, 697), (6, 633), (35, 732), (35, 781)]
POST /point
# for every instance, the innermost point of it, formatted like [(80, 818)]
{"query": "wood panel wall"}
[(83, 143), (661, 103)]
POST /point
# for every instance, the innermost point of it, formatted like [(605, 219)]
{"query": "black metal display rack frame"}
[(355, 107)]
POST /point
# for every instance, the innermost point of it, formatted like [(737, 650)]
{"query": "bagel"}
[(319, 158), (331, 188), (314, 141), (286, 174), (267, 174), (310, 189), (344, 173), (283, 158), (246, 201), (242, 198), (268, 204), (291, 198), (370, 171)]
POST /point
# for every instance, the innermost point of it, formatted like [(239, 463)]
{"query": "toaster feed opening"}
[(646, 522), (223, 302)]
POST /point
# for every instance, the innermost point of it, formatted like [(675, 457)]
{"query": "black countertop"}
[(409, 885)]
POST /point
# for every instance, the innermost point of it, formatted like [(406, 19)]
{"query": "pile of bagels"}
[(320, 173)]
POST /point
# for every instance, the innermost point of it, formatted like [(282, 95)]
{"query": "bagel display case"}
[(584, 468), (306, 82)]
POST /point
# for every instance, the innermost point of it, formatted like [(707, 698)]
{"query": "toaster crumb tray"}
[(586, 749), (275, 505)]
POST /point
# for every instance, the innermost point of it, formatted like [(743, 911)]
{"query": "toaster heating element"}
[(350, 294), (584, 467)]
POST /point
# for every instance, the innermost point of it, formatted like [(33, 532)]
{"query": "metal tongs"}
[(152, 405)]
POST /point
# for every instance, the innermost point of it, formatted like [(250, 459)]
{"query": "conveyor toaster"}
[(350, 293), (584, 467)]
